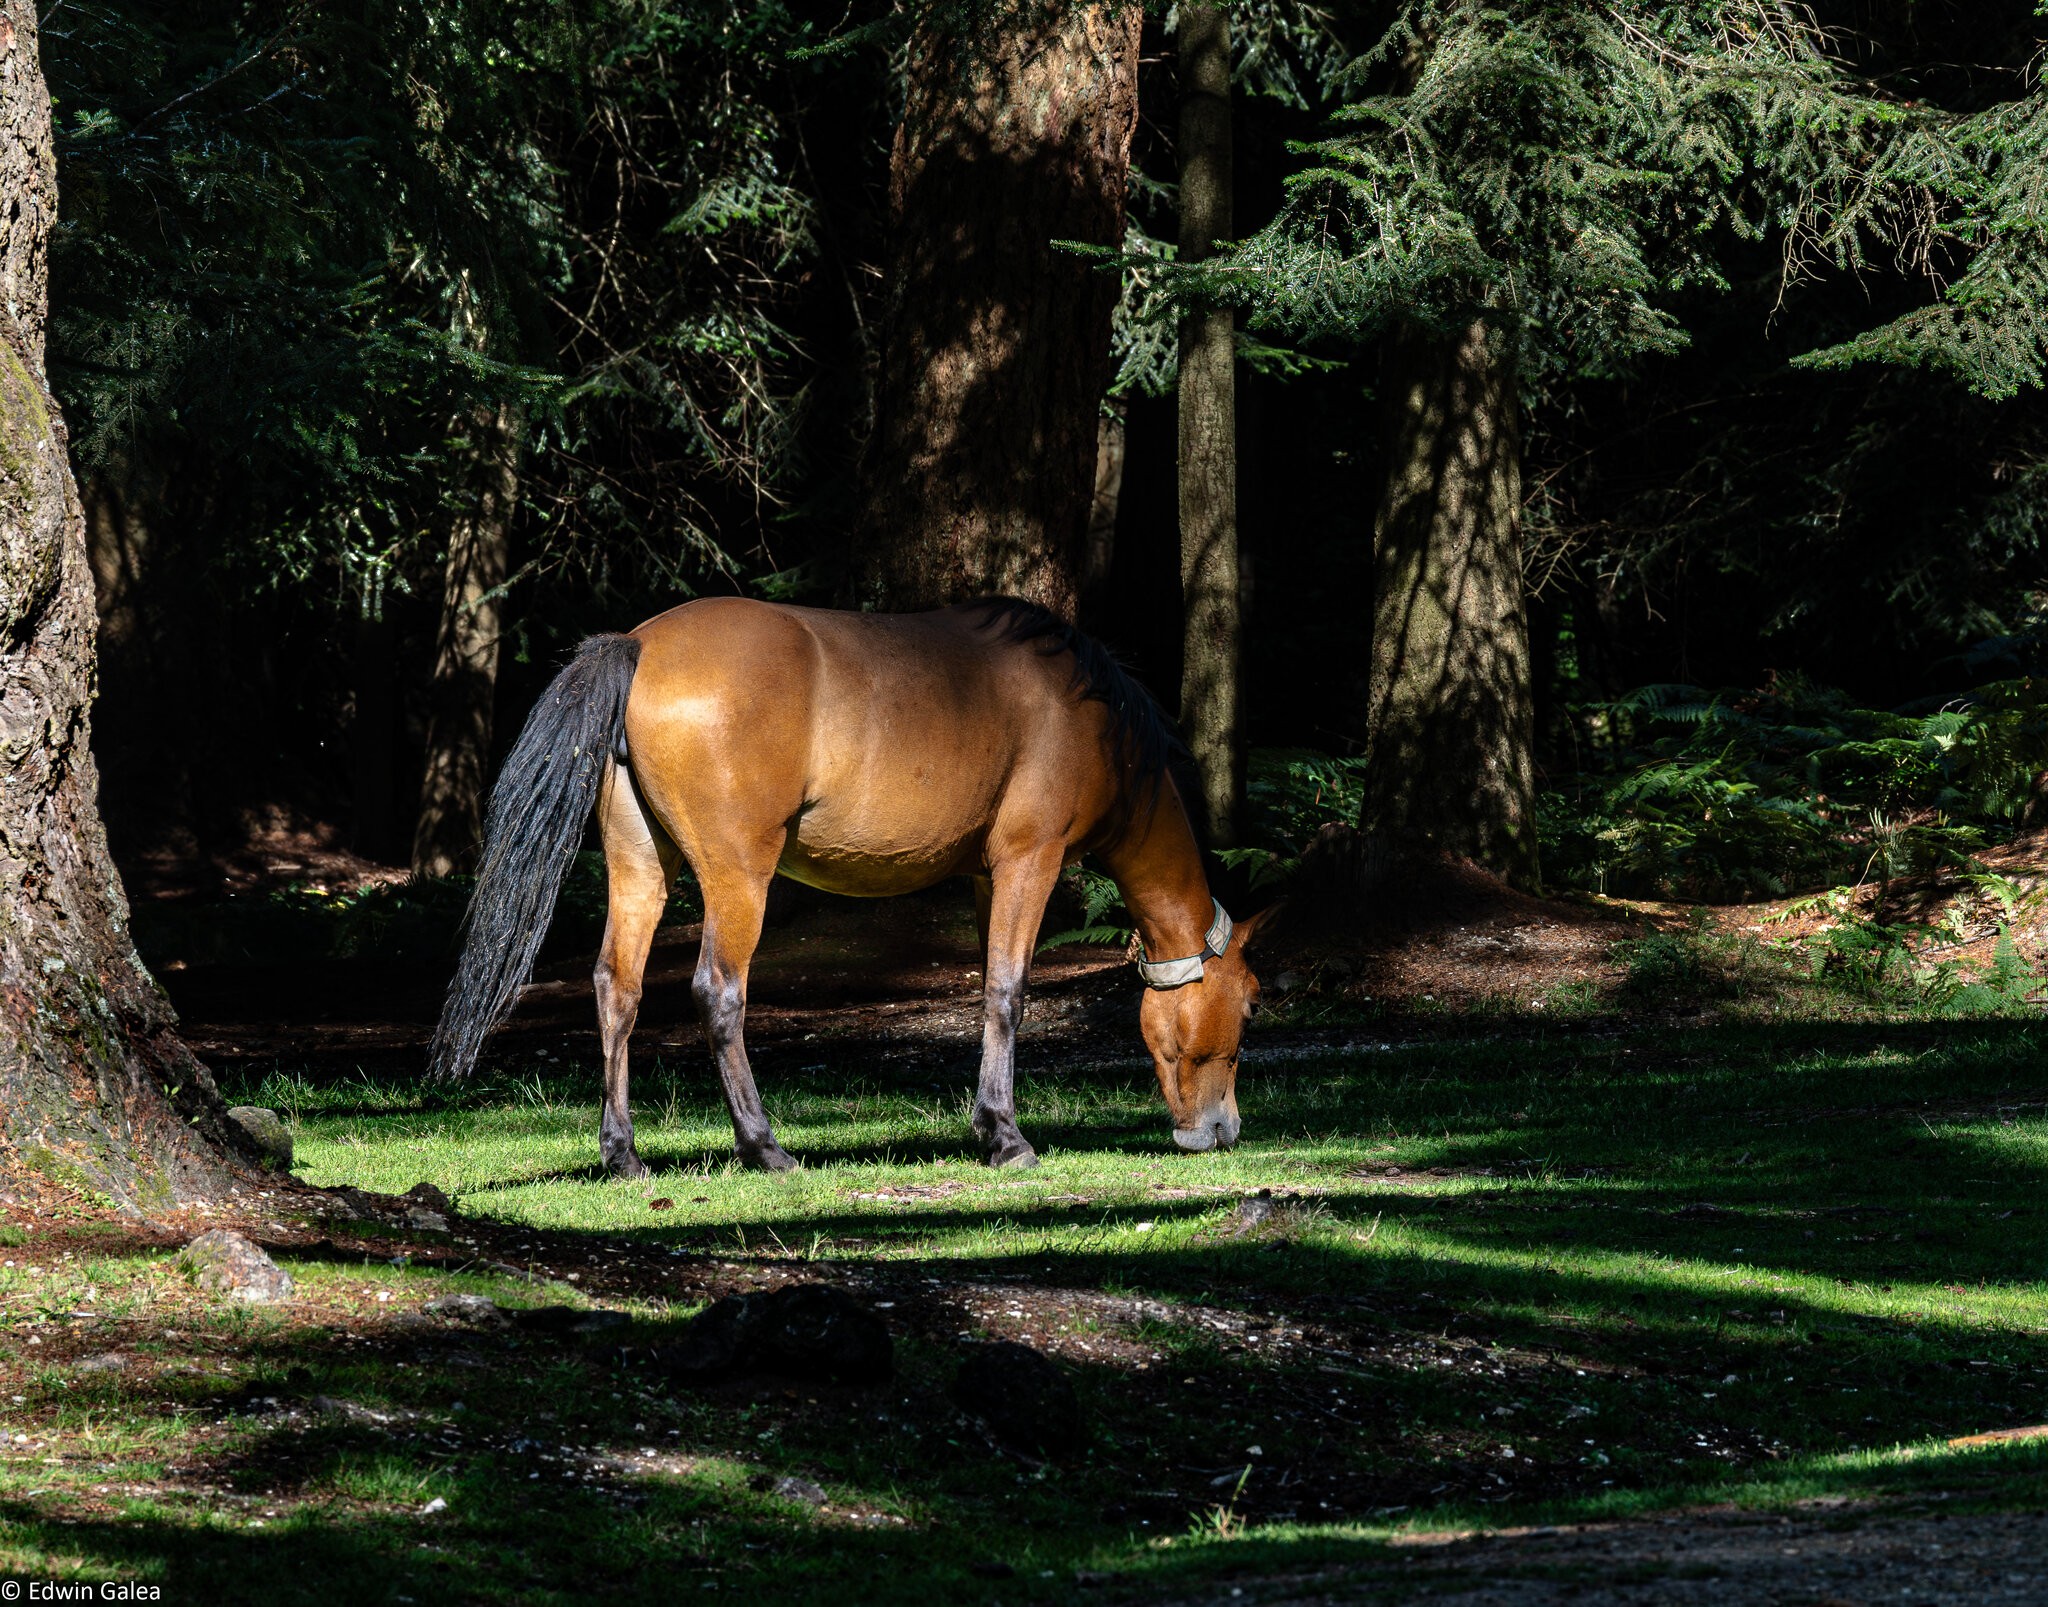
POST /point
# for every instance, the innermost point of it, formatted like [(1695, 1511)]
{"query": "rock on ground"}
[(266, 1130), (476, 1309), (1023, 1398), (805, 1330), (789, 1487), (230, 1264), (579, 1320)]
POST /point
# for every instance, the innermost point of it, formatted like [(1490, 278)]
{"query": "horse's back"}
[(901, 748)]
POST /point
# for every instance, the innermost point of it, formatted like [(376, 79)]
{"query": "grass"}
[(1587, 1271)]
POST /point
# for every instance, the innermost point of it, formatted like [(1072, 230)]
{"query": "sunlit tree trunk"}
[(1210, 590), (1449, 719), (95, 1085), (1110, 439), (464, 689), (981, 468)]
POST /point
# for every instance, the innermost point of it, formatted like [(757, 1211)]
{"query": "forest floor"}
[(1591, 1254)]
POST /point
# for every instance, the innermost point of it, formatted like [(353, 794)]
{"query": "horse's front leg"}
[(640, 863), (1014, 905), (735, 899)]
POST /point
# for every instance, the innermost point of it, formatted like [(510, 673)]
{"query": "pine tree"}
[(1016, 134), (1212, 629), (462, 693), (1518, 198)]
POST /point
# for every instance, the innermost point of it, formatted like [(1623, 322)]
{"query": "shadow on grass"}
[(1672, 1284)]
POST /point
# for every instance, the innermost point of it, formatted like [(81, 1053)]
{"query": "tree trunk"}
[(1110, 437), (373, 731), (465, 684), (95, 1086), (1209, 581), (981, 468), (1449, 721)]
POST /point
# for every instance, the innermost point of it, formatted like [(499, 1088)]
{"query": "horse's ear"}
[(1252, 925)]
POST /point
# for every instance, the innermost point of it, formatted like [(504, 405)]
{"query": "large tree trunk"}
[(465, 684), (981, 468), (1449, 718), (1209, 581), (95, 1085)]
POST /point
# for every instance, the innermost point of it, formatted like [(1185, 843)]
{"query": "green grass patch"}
[(1586, 1273)]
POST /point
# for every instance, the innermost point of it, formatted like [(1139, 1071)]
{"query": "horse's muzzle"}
[(1211, 1132)]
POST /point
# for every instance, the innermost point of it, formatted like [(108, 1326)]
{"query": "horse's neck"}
[(1158, 868)]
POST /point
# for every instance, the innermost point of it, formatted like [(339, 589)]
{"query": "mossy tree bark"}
[(1450, 726), (981, 468), (1210, 583), (95, 1084), (464, 689)]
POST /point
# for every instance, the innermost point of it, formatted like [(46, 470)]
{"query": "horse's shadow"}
[(710, 1160)]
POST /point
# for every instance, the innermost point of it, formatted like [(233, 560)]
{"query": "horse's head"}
[(1193, 1032)]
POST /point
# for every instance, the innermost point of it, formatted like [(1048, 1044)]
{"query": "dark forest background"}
[(322, 272)]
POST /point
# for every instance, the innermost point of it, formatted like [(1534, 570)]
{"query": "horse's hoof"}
[(770, 1158), (631, 1167), (1019, 1157)]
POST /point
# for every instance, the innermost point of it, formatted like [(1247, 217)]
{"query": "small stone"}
[(791, 1488), (266, 1133), (347, 1411), (231, 1264), (426, 1221), (1023, 1398), (475, 1309), (430, 1198), (1255, 1210), (804, 1330), (567, 1320), (110, 1361), (438, 1504)]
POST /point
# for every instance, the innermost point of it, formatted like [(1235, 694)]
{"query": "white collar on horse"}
[(1178, 973)]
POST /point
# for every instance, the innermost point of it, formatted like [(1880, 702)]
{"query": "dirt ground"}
[(902, 979), (1840, 1556)]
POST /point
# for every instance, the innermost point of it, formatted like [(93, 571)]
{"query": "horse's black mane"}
[(1143, 731)]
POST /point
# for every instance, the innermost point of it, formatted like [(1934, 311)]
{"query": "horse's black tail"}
[(538, 808)]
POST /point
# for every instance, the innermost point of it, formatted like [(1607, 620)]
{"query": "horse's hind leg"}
[(1010, 912), (640, 862), (735, 883)]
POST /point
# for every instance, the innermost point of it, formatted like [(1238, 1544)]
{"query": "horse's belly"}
[(869, 855)]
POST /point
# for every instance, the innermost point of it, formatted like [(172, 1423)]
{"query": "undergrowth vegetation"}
[(1722, 797), (1739, 796)]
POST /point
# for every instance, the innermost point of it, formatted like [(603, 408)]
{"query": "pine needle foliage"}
[(1571, 170), (301, 245), (1990, 325)]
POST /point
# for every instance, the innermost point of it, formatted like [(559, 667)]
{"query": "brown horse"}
[(866, 754)]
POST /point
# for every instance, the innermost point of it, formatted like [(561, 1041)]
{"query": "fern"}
[(1739, 794)]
